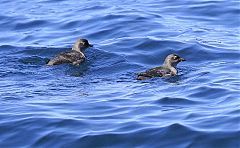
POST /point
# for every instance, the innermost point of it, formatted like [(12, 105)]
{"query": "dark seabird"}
[(167, 69), (75, 56)]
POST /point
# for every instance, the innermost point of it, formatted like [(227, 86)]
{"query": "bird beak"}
[(182, 59), (90, 45)]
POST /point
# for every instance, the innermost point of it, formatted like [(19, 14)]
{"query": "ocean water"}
[(100, 104)]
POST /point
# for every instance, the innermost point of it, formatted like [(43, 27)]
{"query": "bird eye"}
[(175, 57)]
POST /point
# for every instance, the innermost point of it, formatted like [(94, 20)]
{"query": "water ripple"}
[(100, 103)]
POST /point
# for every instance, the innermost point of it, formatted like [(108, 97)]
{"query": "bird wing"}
[(155, 72), (68, 57)]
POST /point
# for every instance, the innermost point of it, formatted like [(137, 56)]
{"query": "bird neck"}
[(170, 66), (77, 48)]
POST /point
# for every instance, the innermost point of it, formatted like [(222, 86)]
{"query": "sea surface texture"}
[(100, 104)]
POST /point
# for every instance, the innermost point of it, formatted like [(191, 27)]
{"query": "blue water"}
[(100, 104)]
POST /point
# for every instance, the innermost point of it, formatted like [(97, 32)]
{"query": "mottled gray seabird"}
[(167, 69), (74, 56)]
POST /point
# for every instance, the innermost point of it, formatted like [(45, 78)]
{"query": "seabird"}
[(167, 69), (75, 56)]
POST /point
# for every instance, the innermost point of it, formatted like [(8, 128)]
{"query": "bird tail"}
[(50, 62), (141, 76)]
